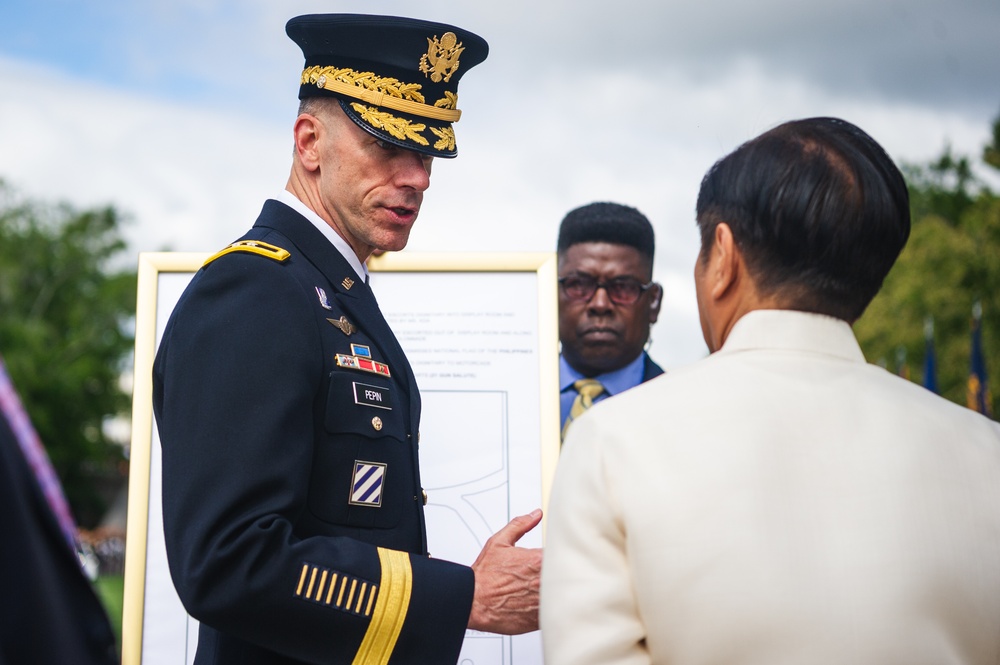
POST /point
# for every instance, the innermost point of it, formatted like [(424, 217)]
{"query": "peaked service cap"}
[(396, 78)]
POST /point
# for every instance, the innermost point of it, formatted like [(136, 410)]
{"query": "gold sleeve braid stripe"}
[(332, 589), (390, 609)]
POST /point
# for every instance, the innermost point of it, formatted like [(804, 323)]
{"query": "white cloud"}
[(557, 117), (189, 178)]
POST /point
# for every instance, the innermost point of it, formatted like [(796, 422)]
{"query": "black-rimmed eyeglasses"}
[(621, 290)]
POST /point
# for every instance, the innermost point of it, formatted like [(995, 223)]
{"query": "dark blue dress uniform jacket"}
[(293, 510)]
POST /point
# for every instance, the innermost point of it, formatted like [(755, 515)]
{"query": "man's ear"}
[(725, 262), (307, 132), (655, 302)]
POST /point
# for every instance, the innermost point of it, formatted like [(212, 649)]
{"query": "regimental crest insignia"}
[(324, 302), (344, 326), (441, 60)]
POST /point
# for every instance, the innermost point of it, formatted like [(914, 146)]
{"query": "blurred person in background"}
[(608, 302), (49, 614)]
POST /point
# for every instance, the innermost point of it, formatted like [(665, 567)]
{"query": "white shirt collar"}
[(335, 239)]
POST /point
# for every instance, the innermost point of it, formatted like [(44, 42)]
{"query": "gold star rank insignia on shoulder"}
[(343, 325)]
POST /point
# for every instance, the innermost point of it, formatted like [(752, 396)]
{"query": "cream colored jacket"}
[(780, 502)]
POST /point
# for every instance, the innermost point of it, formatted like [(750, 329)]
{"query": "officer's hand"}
[(506, 596)]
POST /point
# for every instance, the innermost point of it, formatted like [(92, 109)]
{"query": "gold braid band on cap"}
[(381, 91), (390, 609)]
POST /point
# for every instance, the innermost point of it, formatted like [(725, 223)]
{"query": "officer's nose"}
[(414, 170)]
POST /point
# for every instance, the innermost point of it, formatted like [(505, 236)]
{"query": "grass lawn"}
[(111, 590)]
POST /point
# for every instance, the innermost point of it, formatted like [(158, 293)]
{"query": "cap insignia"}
[(441, 59)]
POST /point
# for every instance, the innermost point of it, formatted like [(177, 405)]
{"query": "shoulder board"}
[(254, 247)]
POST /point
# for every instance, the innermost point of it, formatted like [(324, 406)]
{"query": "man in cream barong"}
[(781, 501)]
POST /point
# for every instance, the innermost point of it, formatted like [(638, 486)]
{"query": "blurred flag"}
[(12, 411), (930, 360), (902, 368), (978, 394)]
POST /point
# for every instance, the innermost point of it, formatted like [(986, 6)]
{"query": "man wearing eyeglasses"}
[(607, 303)]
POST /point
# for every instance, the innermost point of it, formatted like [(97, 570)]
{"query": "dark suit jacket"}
[(293, 510), (650, 370), (49, 614)]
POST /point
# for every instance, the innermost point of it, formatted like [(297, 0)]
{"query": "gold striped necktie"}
[(587, 390)]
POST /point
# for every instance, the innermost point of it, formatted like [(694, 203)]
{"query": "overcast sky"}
[(179, 112)]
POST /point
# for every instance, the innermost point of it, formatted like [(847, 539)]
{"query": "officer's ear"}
[(307, 131), (655, 301)]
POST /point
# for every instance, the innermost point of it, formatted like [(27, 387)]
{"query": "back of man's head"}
[(817, 209), (607, 222)]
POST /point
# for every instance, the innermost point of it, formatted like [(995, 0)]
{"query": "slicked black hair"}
[(818, 210), (607, 222)]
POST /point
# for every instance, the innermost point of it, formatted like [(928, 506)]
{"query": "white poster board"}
[(480, 331)]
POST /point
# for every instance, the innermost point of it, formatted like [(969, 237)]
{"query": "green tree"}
[(991, 153), (65, 314), (951, 261)]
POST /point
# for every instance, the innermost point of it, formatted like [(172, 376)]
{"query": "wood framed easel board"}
[(480, 331)]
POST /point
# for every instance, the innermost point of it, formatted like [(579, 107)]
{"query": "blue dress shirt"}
[(614, 382)]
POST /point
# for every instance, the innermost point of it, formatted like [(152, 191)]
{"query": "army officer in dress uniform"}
[(287, 411)]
